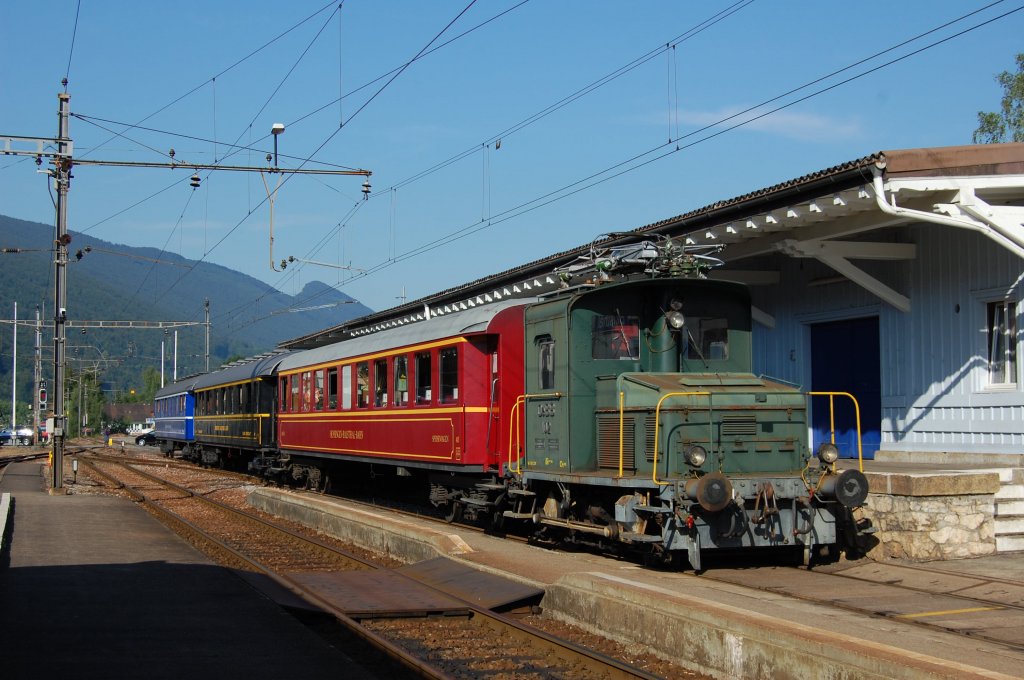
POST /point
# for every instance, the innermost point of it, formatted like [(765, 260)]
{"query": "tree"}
[(1008, 123)]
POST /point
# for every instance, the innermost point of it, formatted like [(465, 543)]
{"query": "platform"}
[(94, 587)]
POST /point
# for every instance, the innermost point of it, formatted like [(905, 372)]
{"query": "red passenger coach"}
[(428, 395)]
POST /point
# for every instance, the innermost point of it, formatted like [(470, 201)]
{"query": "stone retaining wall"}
[(932, 517)]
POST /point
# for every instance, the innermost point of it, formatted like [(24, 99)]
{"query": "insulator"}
[(366, 188), (195, 181)]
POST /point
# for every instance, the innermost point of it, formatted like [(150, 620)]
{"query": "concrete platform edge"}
[(946, 483), (387, 536), (5, 512), (728, 642)]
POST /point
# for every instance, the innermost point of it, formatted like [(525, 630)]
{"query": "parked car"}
[(147, 439), (19, 435)]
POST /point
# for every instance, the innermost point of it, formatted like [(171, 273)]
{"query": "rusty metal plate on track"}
[(378, 593), (482, 589)]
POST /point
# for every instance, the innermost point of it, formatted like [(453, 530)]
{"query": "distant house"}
[(128, 413)]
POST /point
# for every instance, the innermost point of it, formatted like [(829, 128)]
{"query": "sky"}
[(540, 126)]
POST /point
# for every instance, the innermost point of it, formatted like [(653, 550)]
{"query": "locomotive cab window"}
[(424, 393), (448, 374), (616, 336), (707, 338)]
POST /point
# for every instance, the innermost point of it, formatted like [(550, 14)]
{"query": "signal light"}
[(42, 398)]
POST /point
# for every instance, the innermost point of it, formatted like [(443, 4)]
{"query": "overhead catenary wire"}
[(326, 141), (249, 147), (71, 48), (230, 68), (579, 93), (673, 146)]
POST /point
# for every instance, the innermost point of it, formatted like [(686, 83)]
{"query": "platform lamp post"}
[(275, 130)]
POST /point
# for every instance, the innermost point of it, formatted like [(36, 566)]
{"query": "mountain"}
[(113, 282)]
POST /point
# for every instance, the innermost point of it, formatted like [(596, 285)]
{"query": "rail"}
[(514, 429)]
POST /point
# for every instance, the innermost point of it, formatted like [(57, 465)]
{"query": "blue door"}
[(845, 358)]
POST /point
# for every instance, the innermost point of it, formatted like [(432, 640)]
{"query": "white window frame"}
[(1011, 344)]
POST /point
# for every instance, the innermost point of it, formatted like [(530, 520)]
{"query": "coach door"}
[(845, 358)]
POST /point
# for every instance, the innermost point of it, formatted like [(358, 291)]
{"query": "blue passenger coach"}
[(174, 409)]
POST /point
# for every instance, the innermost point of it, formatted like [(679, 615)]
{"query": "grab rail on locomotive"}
[(514, 465), (828, 485)]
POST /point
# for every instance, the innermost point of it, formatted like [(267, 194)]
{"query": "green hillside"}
[(112, 282)]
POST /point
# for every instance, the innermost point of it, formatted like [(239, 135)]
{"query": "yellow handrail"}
[(832, 420), (657, 423), (513, 424)]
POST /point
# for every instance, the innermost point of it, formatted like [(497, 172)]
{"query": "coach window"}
[(401, 380), (294, 380), (423, 378), (380, 382), (332, 388), (318, 390), (363, 384), (346, 387), (243, 397), (546, 361), (282, 391), (307, 391), (448, 374)]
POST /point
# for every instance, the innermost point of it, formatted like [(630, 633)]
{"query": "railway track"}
[(466, 642)]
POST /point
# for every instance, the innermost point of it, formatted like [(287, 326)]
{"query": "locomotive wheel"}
[(454, 512)]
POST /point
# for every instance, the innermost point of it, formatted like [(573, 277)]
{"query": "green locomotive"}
[(644, 425)]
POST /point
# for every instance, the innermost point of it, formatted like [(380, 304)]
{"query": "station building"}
[(896, 277)]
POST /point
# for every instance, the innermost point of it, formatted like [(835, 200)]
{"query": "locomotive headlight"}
[(828, 453), (695, 455), (675, 319)]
